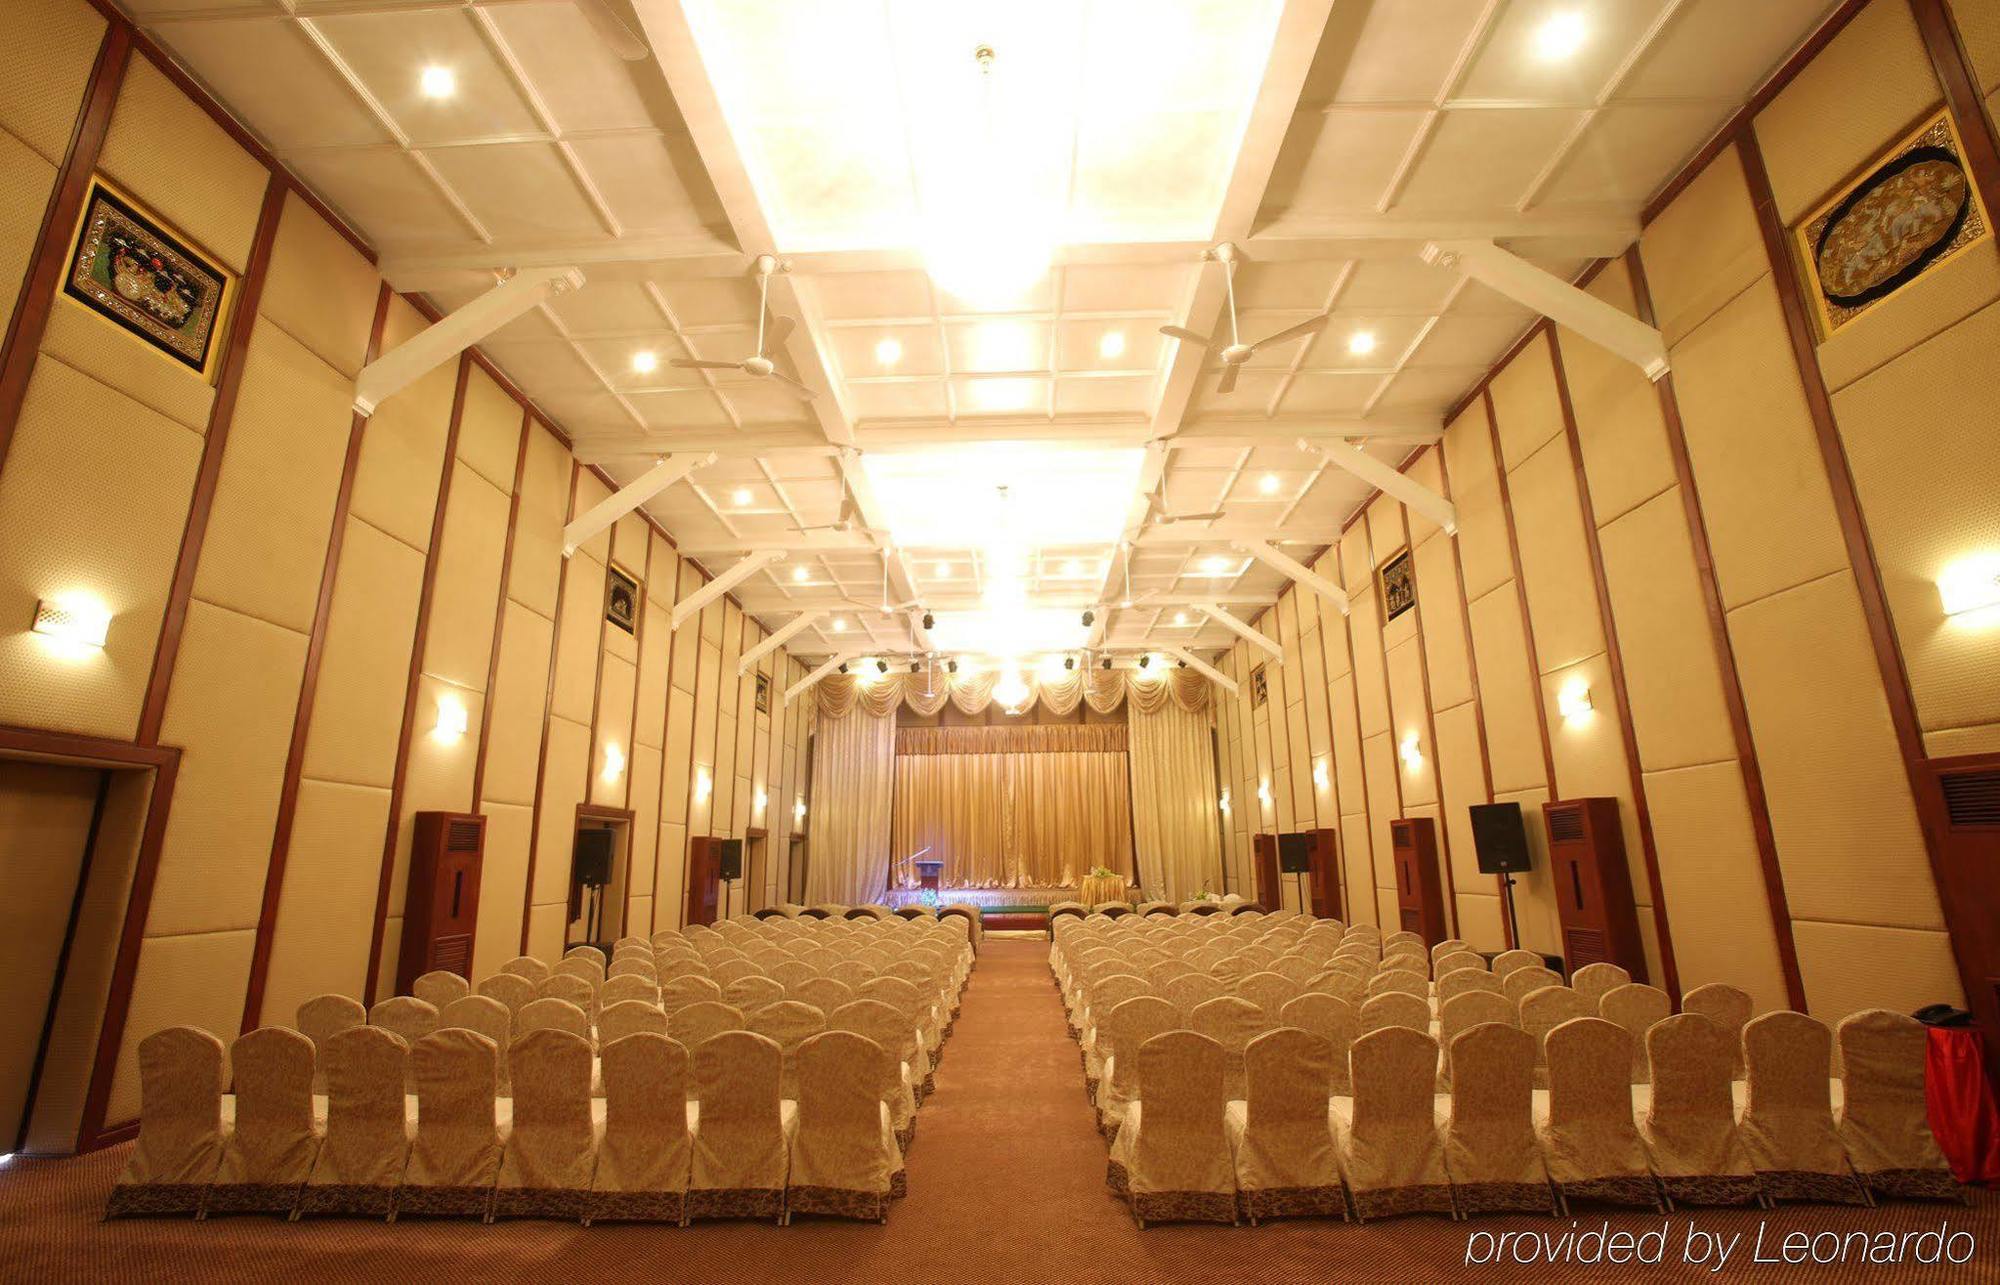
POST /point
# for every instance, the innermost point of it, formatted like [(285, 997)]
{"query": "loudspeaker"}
[(592, 864), (1500, 838), (729, 863), (1294, 854)]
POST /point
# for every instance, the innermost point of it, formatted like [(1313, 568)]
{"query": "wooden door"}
[(703, 880), (1265, 849)]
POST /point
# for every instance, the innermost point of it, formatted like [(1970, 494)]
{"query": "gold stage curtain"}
[(1101, 689), (1174, 800), (1012, 807), (848, 830)]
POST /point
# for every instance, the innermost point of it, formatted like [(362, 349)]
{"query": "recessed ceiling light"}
[(1361, 342), (944, 570), (437, 82), (1268, 484), (839, 625), (800, 574), (740, 497), (1112, 345), (888, 352), (1215, 564), (1561, 35), (1072, 568), (1180, 617)]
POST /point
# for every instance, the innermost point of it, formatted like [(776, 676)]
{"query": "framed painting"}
[(1911, 208), (132, 270), (1399, 586), (1260, 687), (763, 694), (621, 599)]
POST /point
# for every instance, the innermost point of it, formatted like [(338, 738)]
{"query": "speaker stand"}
[(1299, 890), (1513, 923)]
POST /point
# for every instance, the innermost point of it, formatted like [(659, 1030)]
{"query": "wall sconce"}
[(1573, 701), (1970, 584), (1223, 802), (758, 800), (1412, 753), (614, 762), (799, 810), (73, 621), (1319, 774), (1264, 793), (452, 719), (702, 784)]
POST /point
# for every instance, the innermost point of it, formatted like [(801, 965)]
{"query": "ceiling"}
[(979, 255)]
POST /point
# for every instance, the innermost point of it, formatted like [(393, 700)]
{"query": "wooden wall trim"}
[(1361, 764), (19, 1142), (419, 640), (229, 381), (548, 704), (1430, 730), (500, 612), (295, 754), (1960, 83), (42, 283), (694, 717), (638, 663), (666, 734), (1520, 587), (1725, 654), (1614, 658)]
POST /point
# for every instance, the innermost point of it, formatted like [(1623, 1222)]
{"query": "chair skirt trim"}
[(1910, 1184), (570, 1204), (1804, 1184), (1504, 1197), (253, 1197), (1117, 1179), (735, 1202), (444, 1202), (1293, 1202), (156, 1199), (1713, 1189), (1631, 1189), (1388, 1202), (637, 1206), (349, 1200), (1184, 1206), (899, 1183), (840, 1202)]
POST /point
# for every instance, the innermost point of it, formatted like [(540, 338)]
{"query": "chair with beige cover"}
[(1463, 980), (569, 988), (884, 1025), (752, 991), (1689, 1125), (629, 1017), (1281, 1133), (1232, 1023), (789, 1024), (1587, 1133), (408, 1017), (1191, 990), (1460, 1014), (1391, 1151), (1883, 1121), (1490, 1149), (456, 1154), (626, 989), (1404, 937), (1399, 982), (823, 993), (1787, 1115), (690, 988), (551, 1149), (633, 966), (1445, 965), (274, 1140), (700, 1022), (590, 953), (1268, 990), (368, 1126), (551, 1014), (526, 967), (1634, 1006), (742, 1129), (1729, 1007), (321, 1018), (1395, 1008), (1331, 1019), (843, 1147), (1522, 982), (1123, 1031), (511, 989), (181, 1131), (1171, 1159), (1509, 960), (1544, 1010), (1595, 981), (438, 988), (490, 1018), (647, 1145)]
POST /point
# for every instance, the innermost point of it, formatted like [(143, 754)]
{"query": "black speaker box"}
[(729, 859), (1500, 838), (592, 865), (1294, 854)]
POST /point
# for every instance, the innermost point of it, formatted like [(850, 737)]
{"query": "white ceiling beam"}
[(777, 640), (780, 605), (601, 515), (1229, 533), (1315, 236), (1297, 571), (613, 446), (1556, 299), (824, 668), (1417, 430), (1196, 663), (457, 331), (798, 542), (1389, 481), (1246, 633), (722, 584)]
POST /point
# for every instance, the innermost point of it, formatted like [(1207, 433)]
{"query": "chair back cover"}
[(1634, 1006), (457, 1147), (1337, 1023), (629, 1017), (1729, 1007), (1884, 1122), (1489, 1144), (322, 1017), (739, 1142), (511, 989), (438, 988), (552, 1146), (1395, 1008), (181, 1073)]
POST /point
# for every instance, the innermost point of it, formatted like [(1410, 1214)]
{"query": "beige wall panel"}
[(1481, 920), (1379, 753), (267, 532), (1672, 677), (118, 359), (1963, 740), (1618, 421), (459, 645), (1525, 404), (1284, 817), (326, 906), (577, 635), (1442, 617), (25, 183), (614, 727), (93, 499), (1820, 128), (1457, 766), (503, 875), (47, 48), (1370, 685), (1704, 249), (710, 617), (1287, 616), (1979, 28), (1507, 692), (1357, 567), (545, 931), (1534, 892), (654, 643), (687, 639), (195, 980), (722, 806), (1406, 696), (678, 760), (1763, 486), (1555, 561), (588, 493), (670, 876), (645, 804), (629, 537), (1714, 883), (176, 160), (1425, 471), (1298, 757), (235, 690), (1483, 548), (438, 777), (1926, 508), (616, 641), (402, 447), (1935, 302), (1385, 528), (538, 560), (320, 289), (364, 665), (1850, 967), (1839, 798), (520, 689), (489, 430), (663, 572), (1359, 894), (1590, 756), (562, 790)]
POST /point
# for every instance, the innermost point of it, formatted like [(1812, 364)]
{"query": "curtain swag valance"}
[(1026, 738), (1102, 689)]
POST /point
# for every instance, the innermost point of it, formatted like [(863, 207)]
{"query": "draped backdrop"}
[(1014, 805)]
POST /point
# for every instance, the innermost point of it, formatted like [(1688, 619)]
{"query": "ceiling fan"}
[(843, 523), (1236, 352), (1161, 517), (780, 328), (613, 30)]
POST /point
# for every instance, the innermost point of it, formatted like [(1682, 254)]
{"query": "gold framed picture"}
[(621, 599), (129, 268), (1399, 586), (1260, 687), (1911, 208)]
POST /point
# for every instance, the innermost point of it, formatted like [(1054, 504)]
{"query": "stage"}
[(999, 908)]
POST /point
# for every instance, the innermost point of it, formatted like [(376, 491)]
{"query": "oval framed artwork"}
[(1910, 209)]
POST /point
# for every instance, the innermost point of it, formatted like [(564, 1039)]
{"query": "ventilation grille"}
[(1412, 921), (462, 836), (1972, 798), (1399, 834), (1565, 824), (452, 954), (1584, 946)]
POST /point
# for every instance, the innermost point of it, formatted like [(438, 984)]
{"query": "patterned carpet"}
[(1006, 1181)]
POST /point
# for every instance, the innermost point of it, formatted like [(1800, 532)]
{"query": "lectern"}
[(928, 871)]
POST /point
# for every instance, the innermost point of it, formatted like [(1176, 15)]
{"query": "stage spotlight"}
[(1145, 660), (1089, 619), (1069, 662), (930, 621), (881, 666)]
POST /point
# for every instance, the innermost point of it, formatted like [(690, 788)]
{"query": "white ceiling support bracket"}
[(1241, 630), (1297, 571), (608, 510), (826, 667), (1196, 663), (1554, 298), (777, 640), (452, 334), (694, 602), (1185, 533), (1389, 481)]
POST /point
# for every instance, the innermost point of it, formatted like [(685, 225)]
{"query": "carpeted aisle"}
[(1006, 1182)]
